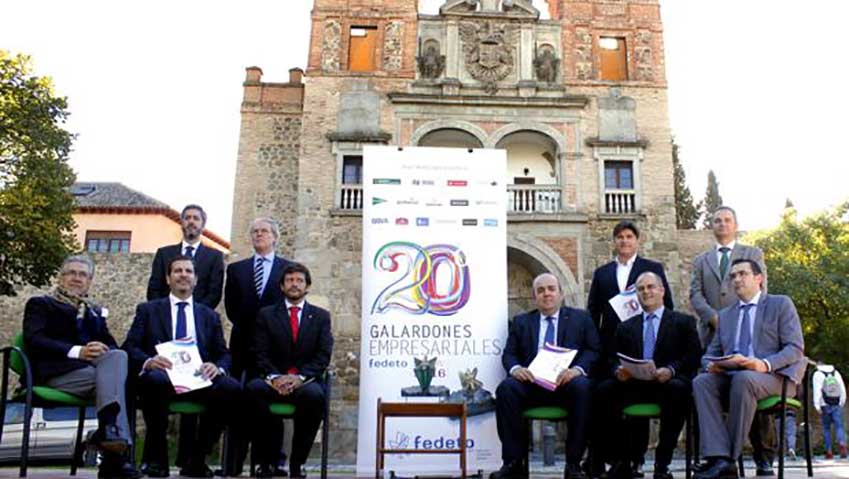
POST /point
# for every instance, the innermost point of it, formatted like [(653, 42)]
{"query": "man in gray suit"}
[(763, 336)]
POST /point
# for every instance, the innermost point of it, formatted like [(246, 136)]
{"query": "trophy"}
[(477, 399), (424, 370)]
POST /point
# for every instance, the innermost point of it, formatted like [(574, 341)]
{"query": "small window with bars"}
[(618, 175), (107, 241)]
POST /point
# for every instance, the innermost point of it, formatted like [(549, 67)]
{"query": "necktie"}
[(258, 274), (549, 331), (648, 337), (181, 320), (293, 322), (744, 344), (190, 251), (723, 262)]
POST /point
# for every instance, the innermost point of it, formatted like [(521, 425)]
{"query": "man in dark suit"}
[(563, 326), (671, 341), (292, 343), (209, 262), (176, 317), (764, 335), (252, 283), (70, 349)]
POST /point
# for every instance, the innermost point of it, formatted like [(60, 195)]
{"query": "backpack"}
[(831, 389)]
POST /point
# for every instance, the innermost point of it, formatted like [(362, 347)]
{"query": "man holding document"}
[(658, 354), (758, 343), (559, 326), (178, 345)]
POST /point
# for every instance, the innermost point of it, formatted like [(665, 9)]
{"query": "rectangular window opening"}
[(613, 58), (107, 241), (361, 49), (618, 175), (352, 170)]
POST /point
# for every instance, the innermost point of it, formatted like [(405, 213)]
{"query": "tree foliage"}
[(808, 260), (712, 199), (35, 202), (686, 212)]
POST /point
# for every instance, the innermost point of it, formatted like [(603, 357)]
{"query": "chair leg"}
[(25, 444), (78, 442), (781, 427), (688, 452), (325, 436), (806, 413), (740, 466)]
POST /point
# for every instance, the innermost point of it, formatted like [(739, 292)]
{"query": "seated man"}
[(70, 349), (292, 346), (563, 326), (763, 333), (671, 340), (163, 320)]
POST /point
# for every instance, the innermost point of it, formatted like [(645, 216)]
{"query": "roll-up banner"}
[(434, 300)]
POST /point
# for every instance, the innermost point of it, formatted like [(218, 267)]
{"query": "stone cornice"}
[(566, 101), (639, 143)]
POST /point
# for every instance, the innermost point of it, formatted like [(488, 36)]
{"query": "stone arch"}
[(538, 257), (434, 125), (542, 128)]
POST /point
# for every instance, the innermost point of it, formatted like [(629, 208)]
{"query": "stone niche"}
[(616, 120)]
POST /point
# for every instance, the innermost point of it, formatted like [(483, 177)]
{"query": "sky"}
[(154, 90)]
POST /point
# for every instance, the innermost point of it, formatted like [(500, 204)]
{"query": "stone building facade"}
[(579, 101)]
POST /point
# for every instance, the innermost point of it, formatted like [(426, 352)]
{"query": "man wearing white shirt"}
[(175, 317), (764, 334)]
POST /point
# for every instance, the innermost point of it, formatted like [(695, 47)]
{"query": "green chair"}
[(543, 413), (174, 407), (15, 358), (652, 410)]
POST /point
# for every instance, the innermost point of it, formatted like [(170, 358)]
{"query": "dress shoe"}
[(637, 470), (156, 470), (511, 470), (662, 472), (107, 439), (264, 471), (718, 468), (280, 471), (118, 470), (224, 472), (196, 469), (574, 471), (764, 469), (296, 471)]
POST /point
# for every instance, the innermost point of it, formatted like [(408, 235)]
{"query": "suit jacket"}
[(676, 346), (709, 292), (50, 331), (242, 303), (605, 286), (575, 330), (209, 269), (777, 335), (274, 350), (153, 325)]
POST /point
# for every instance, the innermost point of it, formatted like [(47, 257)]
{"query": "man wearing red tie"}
[(292, 346)]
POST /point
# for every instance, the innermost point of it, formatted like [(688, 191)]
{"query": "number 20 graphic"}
[(417, 290)]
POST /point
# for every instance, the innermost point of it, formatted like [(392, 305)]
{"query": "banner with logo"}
[(434, 300)]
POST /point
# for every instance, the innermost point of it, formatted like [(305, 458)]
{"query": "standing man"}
[(209, 262), (252, 283), (162, 320), (829, 399), (764, 335), (293, 342), (711, 290), (70, 349), (670, 340), (550, 323)]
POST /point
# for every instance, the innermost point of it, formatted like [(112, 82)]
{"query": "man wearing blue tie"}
[(562, 326), (763, 333)]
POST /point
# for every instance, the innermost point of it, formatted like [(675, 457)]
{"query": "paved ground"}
[(795, 470)]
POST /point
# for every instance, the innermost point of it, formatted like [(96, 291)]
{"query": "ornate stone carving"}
[(392, 46), (430, 62), (331, 46), (546, 64), (583, 54), (488, 49), (643, 51)]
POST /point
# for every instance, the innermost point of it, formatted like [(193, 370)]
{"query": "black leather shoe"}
[(280, 471), (764, 468), (662, 473), (156, 470), (718, 468), (264, 471), (196, 469), (574, 471), (224, 472), (120, 470), (107, 439), (296, 472), (511, 470)]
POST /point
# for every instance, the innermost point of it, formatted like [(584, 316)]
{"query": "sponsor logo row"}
[(430, 182), (425, 221), (433, 202)]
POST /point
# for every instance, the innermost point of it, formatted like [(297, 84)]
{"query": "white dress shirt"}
[(730, 247), (190, 316), (623, 270), (300, 307), (194, 245)]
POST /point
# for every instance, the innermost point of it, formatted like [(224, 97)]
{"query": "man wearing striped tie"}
[(251, 284)]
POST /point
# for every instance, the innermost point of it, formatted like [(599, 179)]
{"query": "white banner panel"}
[(435, 286)]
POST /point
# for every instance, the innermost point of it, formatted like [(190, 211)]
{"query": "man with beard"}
[(70, 349), (292, 343), (177, 317)]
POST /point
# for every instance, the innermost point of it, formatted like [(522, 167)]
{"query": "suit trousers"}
[(156, 392), (105, 379), (309, 401), (514, 396), (737, 392), (611, 396)]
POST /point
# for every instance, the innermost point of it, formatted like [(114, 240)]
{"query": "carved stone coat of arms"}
[(488, 49)]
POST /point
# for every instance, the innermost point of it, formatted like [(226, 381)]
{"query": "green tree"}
[(35, 202), (808, 260), (686, 212), (712, 199)]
